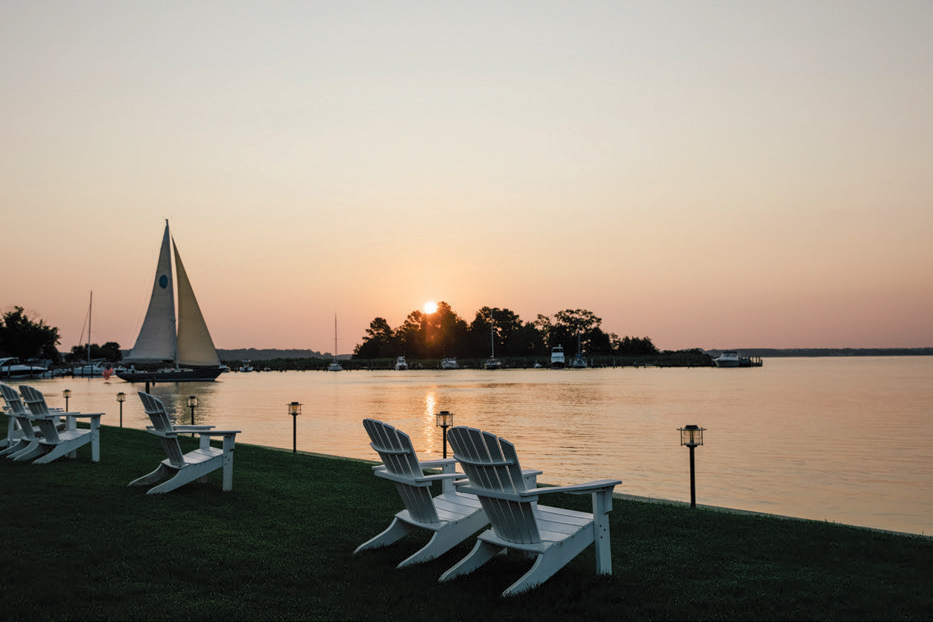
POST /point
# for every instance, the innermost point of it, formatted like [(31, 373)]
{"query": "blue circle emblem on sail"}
[(163, 281)]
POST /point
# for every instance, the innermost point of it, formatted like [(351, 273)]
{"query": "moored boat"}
[(400, 364), (335, 366), (492, 363), (11, 367), (165, 355), (729, 358), (449, 363), (557, 357)]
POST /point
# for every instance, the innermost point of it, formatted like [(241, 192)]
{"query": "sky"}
[(707, 174)]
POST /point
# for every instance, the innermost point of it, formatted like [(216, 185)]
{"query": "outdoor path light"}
[(294, 409), (445, 419), (192, 404), (121, 397), (692, 436), (66, 393)]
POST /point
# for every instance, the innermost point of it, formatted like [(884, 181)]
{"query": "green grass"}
[(82, 545)]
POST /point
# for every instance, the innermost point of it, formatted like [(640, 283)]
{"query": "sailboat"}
[(578, 362), (91, 368), (492, 362), (168, 356), (335, 366)]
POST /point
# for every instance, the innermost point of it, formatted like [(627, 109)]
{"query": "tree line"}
[(445, 334), (29, 339)]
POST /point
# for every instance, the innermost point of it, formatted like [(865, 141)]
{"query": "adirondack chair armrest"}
[(381, 471), (192, 428), (53, 414), (218, 432), (574, 489), (436, 463), (441, 476)]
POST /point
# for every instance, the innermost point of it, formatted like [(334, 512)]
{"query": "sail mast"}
[(90, 310)]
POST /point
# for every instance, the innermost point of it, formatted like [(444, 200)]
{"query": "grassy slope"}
[(81, 545)]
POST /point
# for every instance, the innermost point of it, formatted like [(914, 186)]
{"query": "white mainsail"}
[(158, 341)]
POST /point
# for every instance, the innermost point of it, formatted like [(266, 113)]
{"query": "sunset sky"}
[(708, 174)]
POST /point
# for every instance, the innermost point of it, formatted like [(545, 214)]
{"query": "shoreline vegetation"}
[(280, 545), (283, 360)]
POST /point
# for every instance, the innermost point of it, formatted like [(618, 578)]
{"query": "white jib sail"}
[(156, 341), (195, 346)]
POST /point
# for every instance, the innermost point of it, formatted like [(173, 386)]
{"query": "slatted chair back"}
[(399, 457), (17, 410), (491, 463), (35, 402), (162, 427)]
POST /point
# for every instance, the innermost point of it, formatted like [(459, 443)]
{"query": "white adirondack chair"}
[(553, 536), (187, 467), (53, 443), (21, 433), (452, 516)]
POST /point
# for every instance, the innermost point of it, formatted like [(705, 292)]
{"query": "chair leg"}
[(228, 470), (481, 553), (395, 532), (33, 450), (543, 569), (62, 449), (447, 538), (14, 447), (150, 478)]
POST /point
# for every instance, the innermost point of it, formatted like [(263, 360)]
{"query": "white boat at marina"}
[(90, 369), (557, 358), (729, 358), (578, 362), (400, 364), (335, 366), (492, 363), (11, 367), (160, 348), (449, 363), (93, 369)]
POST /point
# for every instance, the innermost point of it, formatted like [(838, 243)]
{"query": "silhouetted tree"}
[(380, 341), (25, 338), (110, 352)]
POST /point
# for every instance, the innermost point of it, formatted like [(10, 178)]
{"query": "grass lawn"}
[(82, 545)]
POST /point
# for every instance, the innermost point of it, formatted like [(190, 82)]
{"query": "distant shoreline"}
[(815, 352), (258, 354)]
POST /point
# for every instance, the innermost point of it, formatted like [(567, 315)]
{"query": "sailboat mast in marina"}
[(335, 366), (182, 349)]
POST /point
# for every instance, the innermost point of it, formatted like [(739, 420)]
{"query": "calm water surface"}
[(838, 439)]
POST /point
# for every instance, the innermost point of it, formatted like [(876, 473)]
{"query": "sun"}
[(430, 307)]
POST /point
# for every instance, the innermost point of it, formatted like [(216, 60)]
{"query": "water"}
[(837, 439)]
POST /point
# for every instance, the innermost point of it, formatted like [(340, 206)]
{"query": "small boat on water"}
[(449, 363), (557, 358), (11, 367), (92, 369), (492, 363), (335, 366), (729, 358), (170, 350), (578, 362), (400, 364)]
